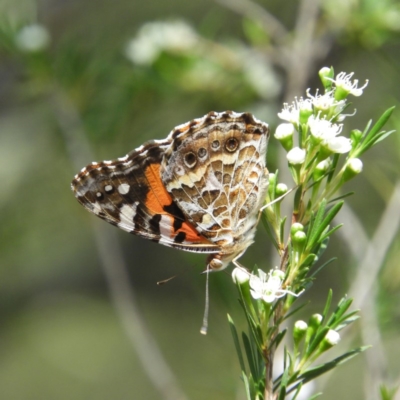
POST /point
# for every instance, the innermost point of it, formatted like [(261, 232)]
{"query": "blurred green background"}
[(91, 80)]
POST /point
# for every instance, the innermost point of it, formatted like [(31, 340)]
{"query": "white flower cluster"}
[(319, 115), (154, 37)]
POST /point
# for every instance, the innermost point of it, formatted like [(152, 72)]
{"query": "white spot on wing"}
[(96, 208), (126, 216), (108, 188), (123, 188), (166, 226)]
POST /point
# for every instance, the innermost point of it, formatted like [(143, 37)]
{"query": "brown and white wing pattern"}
[(128, 192), (215, 170)]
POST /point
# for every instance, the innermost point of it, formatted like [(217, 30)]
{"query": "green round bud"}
[(296, 227), (353, 167), (281, 189), (299, 330), (325, 73), (332, 338), (315, 321), (299, 239), (355, 136)]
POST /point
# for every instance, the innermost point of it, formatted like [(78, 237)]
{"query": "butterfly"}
[(198, 190)]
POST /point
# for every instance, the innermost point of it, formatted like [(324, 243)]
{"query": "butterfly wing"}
[(215, 171), (128, 192)]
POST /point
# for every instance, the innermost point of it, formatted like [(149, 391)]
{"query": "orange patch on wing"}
[(158, 197), (191, 234)]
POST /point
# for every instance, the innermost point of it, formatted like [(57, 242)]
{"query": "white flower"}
[(323, 129), (32, 38), (296, 156), (344, 83), (327, 134), (332, 337), (327, 102), (239, 275), (154, 37), (291, 113), (284, 130), (339, 145), (268, 287)]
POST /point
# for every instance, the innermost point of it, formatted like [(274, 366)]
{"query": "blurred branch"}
[(376, 250), (370, 256), (248, 8), (115, 269)]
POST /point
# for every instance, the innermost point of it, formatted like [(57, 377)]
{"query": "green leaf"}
[(343, 196), (237, 344), (321, 223), (327, 304), (386, 393), (341, 308), (247, 387), (347, 321), (329, 233), (250, 355), (374, 135), (312, 373), (256, 334), (308, 261), (318, 338), (278, 338), (289, 314), (315, 396), (322, 266), (283, 384), (282, 230)]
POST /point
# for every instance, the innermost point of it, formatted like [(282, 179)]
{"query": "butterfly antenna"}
[(204, 327)]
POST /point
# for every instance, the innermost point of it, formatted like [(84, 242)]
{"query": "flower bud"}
[(299, 240), (325, 73), (355, 136), (278, 274), (305, 111), (281, 189), (354, 167), (299, 330), (321, 168), (240, 276), (332, 338), (313, 324), (284, 133), (315, 321), (296, 156), (296, 227)]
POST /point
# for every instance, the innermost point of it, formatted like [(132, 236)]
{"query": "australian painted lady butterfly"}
[(198, 190)]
